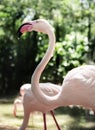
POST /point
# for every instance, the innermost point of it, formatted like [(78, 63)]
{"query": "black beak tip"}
[(19, 34)]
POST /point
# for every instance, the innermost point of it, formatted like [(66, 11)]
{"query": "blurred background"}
[(74, 25)]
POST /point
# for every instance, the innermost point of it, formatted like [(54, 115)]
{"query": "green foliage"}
[(72, 51), (73, 22)]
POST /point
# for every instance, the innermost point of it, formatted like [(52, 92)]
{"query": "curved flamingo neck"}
[(49, 53), (38, 71)]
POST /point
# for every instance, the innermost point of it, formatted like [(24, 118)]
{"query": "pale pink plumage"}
[(31, 104), (28, 102), (78, 87), (79, 83)]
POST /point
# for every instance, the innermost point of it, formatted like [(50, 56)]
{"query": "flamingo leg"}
[(55, 120), (44, 118)]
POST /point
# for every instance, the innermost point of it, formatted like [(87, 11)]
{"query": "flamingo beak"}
[(19, 34), (24, 28)]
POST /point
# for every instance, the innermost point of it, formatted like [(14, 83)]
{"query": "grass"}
[(66, 122)]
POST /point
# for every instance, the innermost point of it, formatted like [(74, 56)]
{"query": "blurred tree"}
[(73, 22)]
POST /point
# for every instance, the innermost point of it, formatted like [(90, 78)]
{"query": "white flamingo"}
[(78, 87)]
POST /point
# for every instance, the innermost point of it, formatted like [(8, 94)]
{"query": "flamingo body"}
[(79, 84), (31, 103)]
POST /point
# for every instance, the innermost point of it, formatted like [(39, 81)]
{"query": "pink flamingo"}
[(31, 104), (78, 87)]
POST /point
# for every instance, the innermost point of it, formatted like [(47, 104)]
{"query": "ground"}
[(65, 120)]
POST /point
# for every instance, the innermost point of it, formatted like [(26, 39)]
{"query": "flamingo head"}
[(39, 25)]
